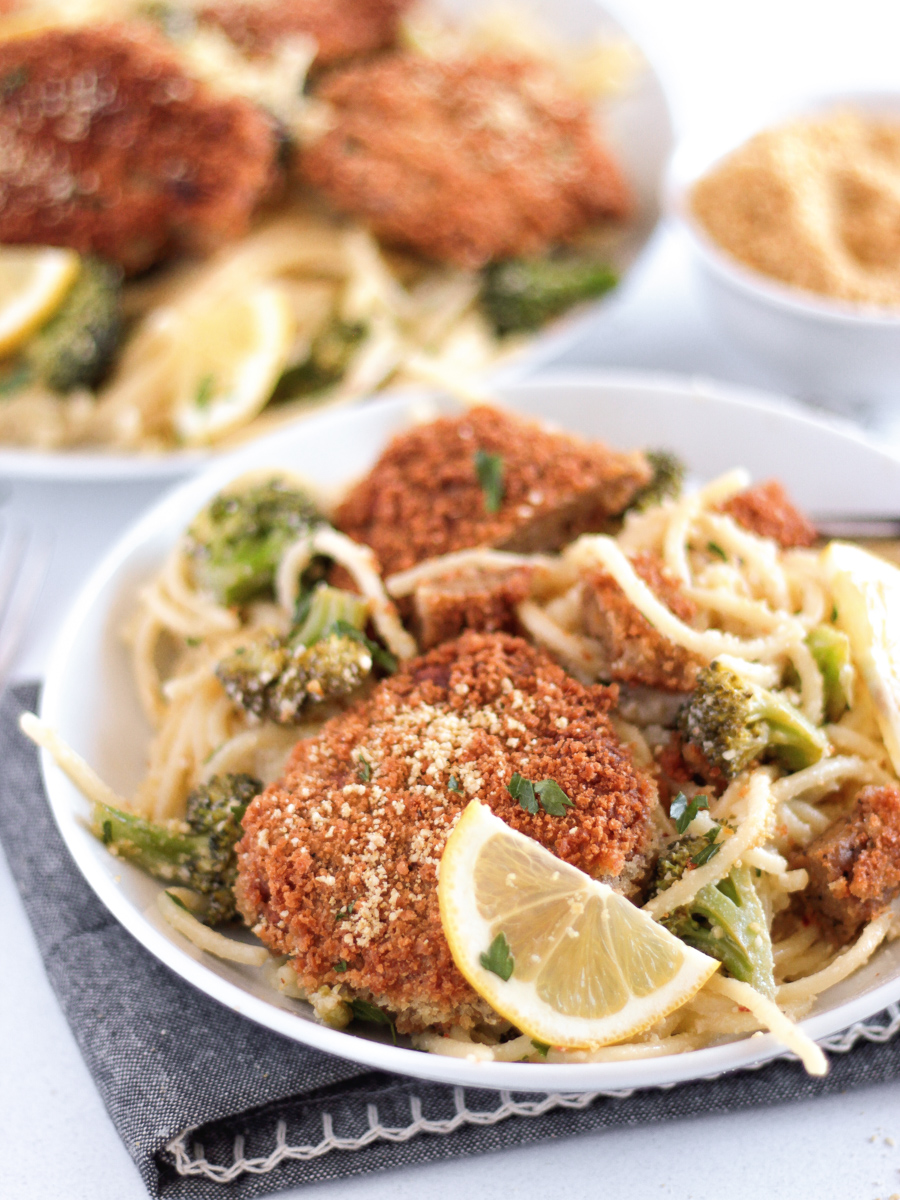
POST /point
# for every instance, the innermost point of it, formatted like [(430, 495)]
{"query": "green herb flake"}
[(834, 613), (682, 811), (175, 900), (453, 784), (498, 958), (107, 833), (702, 857), (340, 967), (363, 771), (381, 657), (343, 913), (717, 550), (522, 789), (489, 469), (541, 1047), (364, 1010), (195, 641), (553, 798), (205, 389)]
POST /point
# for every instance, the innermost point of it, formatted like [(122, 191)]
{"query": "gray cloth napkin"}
[(167, 1059)]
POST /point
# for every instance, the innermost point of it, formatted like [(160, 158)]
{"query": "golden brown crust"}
[(635, 651), (466, 161), (854, 866), (342, 29), (333, 834), (768, 511), (423, 498), (106, 146), (484, 600)]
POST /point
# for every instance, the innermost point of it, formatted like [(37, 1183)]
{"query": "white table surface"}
[(718, 58)]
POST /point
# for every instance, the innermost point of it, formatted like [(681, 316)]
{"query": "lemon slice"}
[(866, 592), (588, 967), (231, 352), (33, 283)]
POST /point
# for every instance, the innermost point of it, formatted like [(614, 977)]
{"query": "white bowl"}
[(835, 353), (89, 696)]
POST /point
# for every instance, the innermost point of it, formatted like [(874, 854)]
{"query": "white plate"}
[(89, 697), (639, 128)]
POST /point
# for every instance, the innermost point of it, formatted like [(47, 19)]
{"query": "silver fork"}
[(24, 559)]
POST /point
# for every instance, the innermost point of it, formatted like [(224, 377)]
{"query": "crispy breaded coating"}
[(636, 652), (485, 600), (466, 161), (423, 497), (342, 29), (106, 146), (767, 510), (854, 866), (339, 861)]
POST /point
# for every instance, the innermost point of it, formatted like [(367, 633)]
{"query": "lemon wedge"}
[(569, 961), (33, 283), (231, 352), (866, 592)]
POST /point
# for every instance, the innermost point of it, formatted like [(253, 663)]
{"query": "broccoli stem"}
[(831, 650), (165, 851), (325, 607), (523, 294)]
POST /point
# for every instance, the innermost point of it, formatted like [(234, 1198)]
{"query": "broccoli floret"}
[(733, 722), (668, 478), (523, 294), (724, 920), (831, 650), (76, 346), (237, 541), (197, 852), (321, 659), (326, 364)]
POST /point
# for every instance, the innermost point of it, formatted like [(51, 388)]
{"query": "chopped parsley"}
[(683, 811), (364, 1010), (108, 833), (710, 850), (205, 389), (171, 895), (363, 771), (453, 784), (489, 469), (546, 794), (340, 967), (498, 958), (714, 548), (381, 657), (343, 913), (195, 641), (541, 1047)]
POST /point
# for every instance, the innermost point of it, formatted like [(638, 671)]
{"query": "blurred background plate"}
[(89, 697)]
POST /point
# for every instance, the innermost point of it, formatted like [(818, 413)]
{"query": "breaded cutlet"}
[(466, 161), (424, 498), (339, 862), (342, 29), (107, 146), (768, 511)]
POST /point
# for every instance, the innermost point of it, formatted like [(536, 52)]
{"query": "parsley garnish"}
[(205, 389), (175, 900), (710, 850), (107, 833), (713, 548), (546, 794), (498, 958), (541, 1047), (363, 770), (195, 641), (453, 784), (363, 1010), (834, 613), (381, 657), (683, 812), (340, 967), (343, 913), (489, 469)]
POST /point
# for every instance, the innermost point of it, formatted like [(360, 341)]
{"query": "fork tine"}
[(22, 576)]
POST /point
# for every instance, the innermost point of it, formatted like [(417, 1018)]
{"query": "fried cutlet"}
[(485, 599), (339, 861), (107, 146), (768, 511), (342, 29), (464, 161), (423, 497)]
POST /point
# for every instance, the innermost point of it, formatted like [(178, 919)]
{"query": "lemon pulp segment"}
[(34, 281)]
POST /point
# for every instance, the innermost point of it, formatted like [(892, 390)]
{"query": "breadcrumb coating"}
[(107, 147), (854, 866), (768, 511), (465, 161), (423, 497), (636, 652), (339, 861), (485, 600), (342, 29)]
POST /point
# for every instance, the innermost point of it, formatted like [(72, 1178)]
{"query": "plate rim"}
[(571, 1078)]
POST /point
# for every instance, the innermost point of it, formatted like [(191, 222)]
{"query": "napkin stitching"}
[(192, 1161)]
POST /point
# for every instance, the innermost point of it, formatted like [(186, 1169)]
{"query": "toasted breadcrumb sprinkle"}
[(355, 864), (423, 498)]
